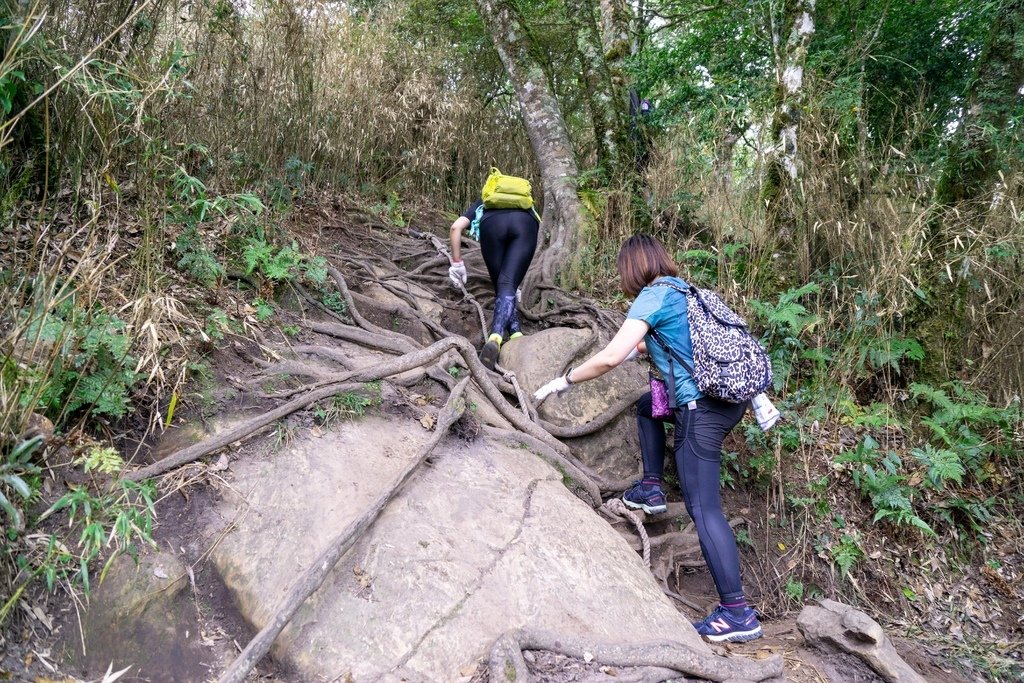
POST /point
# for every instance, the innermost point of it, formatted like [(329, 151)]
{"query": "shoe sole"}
[(737, 637), (649, 509), (489, 355)]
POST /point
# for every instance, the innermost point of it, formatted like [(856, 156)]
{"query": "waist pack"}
[(503, 192), (728, 363)]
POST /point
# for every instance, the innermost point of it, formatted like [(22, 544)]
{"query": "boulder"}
[(538, 358), (834, 627), (485, 539)]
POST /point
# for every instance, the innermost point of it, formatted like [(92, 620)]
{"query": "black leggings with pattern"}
[(508, 240), (699, 433)]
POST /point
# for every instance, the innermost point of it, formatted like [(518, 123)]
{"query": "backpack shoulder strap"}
[(688, 289), (671, 353), (474, 225)]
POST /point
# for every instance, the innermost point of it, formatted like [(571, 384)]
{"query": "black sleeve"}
[(471, 211)]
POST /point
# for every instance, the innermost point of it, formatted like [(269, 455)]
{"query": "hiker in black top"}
[(508, 239)]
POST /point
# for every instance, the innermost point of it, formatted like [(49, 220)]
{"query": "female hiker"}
[(701, 424), (508, 239)]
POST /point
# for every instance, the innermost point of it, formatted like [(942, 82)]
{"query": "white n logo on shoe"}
[(719, 625)]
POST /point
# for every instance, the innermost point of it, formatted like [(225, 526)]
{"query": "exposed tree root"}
[(598, 423), (553, 457), (247, 428), (506, 661), (315, 574), (654, 661), (400, 340), (341, 383), (374, 340), (349, 381), (616, 507), (640, 674), (292, 368), (331, 354), (309, 299)]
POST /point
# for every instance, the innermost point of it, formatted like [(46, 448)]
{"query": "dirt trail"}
[(395, 281)]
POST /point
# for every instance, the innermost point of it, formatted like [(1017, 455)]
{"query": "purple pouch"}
[(659, 399)]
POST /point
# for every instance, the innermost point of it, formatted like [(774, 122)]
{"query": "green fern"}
[(943, 465), (256, 253), (846, 553), (788, 316), (937, 397), (106, 460), (905, 518)]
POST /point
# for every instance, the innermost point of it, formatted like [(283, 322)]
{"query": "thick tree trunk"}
[(791, 35), (615, 19), (563, 212), (618, 44), (606, 101), (972, 165)]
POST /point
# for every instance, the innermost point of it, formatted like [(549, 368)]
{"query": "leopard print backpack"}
[(728, 363)]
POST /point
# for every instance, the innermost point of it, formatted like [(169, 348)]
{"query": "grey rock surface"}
[(485, 539), (836, 627), (142, 617), (537, 358)]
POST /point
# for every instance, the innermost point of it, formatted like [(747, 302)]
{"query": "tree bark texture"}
[(992, 97), (563, 212), (792, 30), (617, 19), (606, 100)]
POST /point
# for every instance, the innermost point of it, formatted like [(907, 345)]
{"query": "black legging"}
[(507, 241), (699, 434)]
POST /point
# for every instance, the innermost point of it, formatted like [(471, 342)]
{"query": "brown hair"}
[(642, 259)]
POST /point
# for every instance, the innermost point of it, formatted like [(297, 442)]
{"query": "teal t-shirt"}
[(664, 310)]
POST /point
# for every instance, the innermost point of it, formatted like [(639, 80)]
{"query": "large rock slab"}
[(835, 627), (485, 539), (538, 358)]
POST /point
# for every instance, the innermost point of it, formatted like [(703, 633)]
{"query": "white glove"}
[(765, 412), (457, 273), (555, 386)]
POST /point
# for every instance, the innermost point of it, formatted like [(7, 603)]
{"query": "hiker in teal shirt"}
[(659, 312), (663, 309)]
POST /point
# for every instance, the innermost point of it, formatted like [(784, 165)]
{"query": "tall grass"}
[(862, 231), (341, 90), (112, 105)]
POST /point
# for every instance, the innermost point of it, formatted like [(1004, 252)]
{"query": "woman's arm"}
[(626, 339), (455, 236)]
